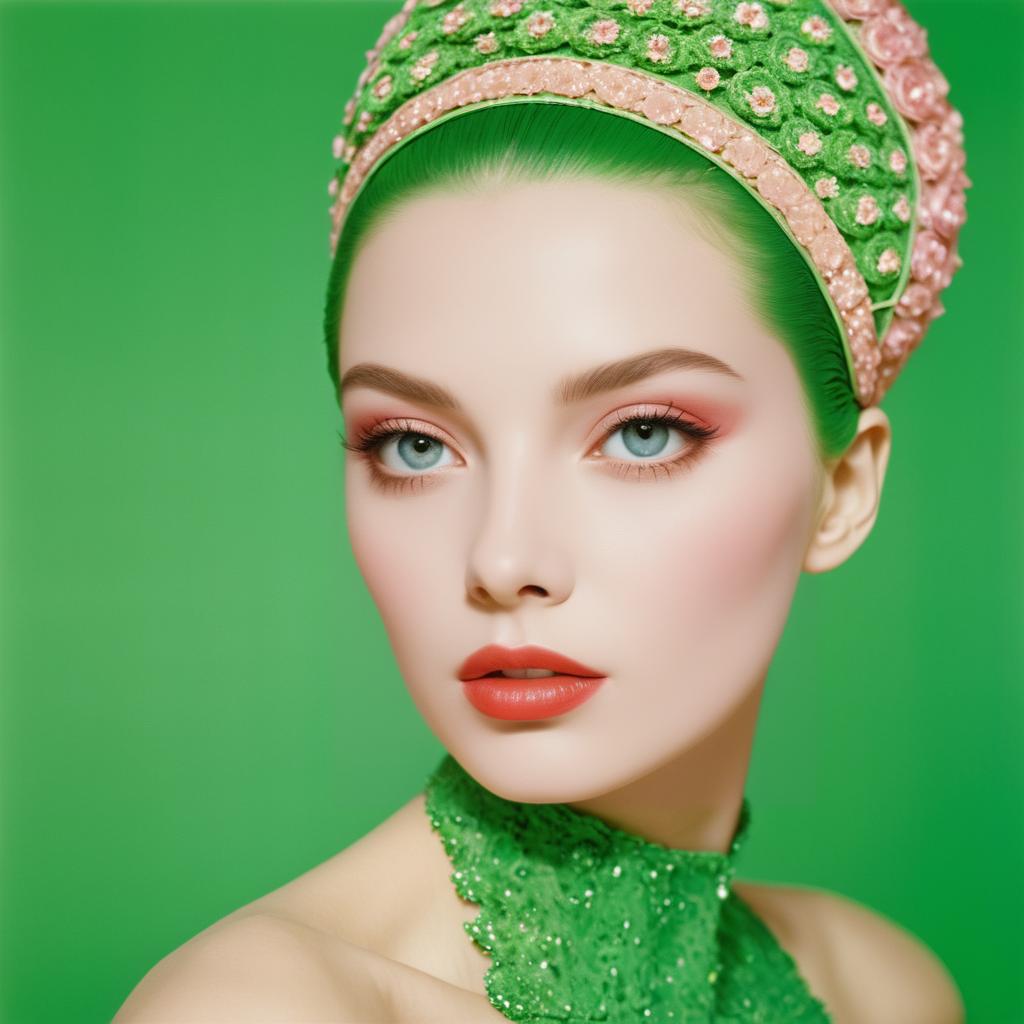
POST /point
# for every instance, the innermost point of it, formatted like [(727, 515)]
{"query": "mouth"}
[(526, 683), (524, 662)]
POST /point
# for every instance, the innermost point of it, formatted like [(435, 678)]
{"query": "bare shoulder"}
[(908, 982), (255, 967), (863, 966), (351, 939)]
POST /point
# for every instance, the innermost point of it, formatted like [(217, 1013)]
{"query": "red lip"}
[(494, 657)]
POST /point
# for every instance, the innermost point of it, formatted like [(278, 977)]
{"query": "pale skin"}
[(538, 523)]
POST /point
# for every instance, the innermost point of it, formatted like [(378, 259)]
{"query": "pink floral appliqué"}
[(486, 42), (901, 209), (407, 40), (657, 48), (817, 28), (809, 143), (892, 35), (708, 79), (603, 32), (846, 77), (797, 59), (639, 6), (898, 161), (867, 210), (424, 66), (859, 156), (693, 8), (720, 47), (917, 87), (761, 100), (540, 23), (506, 8), (455, 19), (827, 188), (364, 121), (889, 262), (875, 114), (934, 150), (828, 103), (382, 87), (751, 15)]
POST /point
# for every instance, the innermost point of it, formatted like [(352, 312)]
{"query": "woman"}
[(606, 397)]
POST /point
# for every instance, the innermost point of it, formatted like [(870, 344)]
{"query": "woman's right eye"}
[(398, 455), (401, 452)]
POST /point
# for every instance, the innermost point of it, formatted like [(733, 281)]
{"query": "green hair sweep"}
[(542, 140)]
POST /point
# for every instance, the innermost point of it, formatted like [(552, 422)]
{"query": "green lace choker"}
[(583, 921)]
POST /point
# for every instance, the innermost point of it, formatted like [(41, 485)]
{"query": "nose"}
[(519, 547)]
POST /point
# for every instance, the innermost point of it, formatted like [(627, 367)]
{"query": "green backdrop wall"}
[(181, 615)]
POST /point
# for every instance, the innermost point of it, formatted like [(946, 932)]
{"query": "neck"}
[(693, 801)]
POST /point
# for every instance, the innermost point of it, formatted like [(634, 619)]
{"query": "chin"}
[(543, 766)]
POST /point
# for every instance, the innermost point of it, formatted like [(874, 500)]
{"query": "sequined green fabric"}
[(587, 922)]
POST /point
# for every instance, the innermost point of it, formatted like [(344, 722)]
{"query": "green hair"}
[(531, 141)]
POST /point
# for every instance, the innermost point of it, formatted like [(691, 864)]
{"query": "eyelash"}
[(378, 434)]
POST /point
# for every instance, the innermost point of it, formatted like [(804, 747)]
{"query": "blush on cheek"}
[(380, 557), (410, 565), (754, 543)]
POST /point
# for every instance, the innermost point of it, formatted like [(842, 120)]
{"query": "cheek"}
[(403, 557), (755, 536), (714, 564)]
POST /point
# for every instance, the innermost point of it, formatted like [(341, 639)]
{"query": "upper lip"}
[(494, 657)]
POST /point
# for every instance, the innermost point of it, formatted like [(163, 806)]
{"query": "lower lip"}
[(528, 700)]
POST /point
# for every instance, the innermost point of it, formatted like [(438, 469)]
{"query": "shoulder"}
[(908, 981), (319, 947), (863, 966), (255, 967)]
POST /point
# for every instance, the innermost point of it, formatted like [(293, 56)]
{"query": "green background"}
[(199, 702)]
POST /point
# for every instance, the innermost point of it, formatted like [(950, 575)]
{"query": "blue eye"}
[(410, 451), (646, 437)]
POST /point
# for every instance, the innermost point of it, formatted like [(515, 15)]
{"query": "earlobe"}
[(851, 494)]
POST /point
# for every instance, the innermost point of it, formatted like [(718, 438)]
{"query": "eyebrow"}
[(572, 389)]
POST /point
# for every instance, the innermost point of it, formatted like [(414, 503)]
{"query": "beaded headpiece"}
[(832, 114)]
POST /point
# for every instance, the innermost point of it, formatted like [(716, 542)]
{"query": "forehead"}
[(535, 279)]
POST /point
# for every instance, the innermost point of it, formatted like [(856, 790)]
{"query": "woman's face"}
[(544, 480)]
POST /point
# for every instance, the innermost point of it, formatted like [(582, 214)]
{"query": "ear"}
[(851, 491)]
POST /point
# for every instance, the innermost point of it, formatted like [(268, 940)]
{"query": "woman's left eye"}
[(640, 442), (644, 437), (651, 441)]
